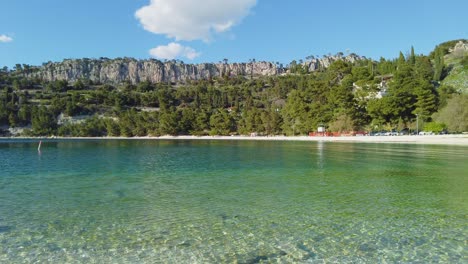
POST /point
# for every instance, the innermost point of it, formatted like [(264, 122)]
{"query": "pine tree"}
[(401, 98), (426, 99)]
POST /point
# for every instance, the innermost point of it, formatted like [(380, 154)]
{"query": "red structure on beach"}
[(338, 134)]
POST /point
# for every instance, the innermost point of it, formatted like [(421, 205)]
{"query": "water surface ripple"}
[(163, 201)]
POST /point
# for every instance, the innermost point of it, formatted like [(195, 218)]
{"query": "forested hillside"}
[(344, 95)]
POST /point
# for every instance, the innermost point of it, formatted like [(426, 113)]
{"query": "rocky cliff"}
[(315, 64), (134, 71), (457, 67)]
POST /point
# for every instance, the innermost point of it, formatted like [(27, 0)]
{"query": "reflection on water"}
[(129, 201)]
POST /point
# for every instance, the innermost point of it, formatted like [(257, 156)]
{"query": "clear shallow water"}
[(150, 201)]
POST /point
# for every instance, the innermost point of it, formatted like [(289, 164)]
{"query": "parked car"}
[(378, 133), (404, 131), (426, 133)]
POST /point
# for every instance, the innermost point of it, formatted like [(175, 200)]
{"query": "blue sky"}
[(37, 31)]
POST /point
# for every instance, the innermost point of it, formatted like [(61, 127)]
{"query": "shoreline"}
[(459, 139)]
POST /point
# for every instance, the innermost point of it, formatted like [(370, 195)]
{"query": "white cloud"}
[(174, 50), (5, 38), (192, 19)]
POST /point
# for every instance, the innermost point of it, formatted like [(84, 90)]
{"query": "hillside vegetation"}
[(343, 93), (456, 63)]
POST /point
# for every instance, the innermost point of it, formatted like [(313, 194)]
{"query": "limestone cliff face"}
[(135, 71), (121, 70), (316, 64), (460, 49)]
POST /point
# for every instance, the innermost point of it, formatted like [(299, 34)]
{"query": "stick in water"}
[(39, 147)]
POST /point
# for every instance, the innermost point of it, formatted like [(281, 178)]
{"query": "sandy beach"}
[(461, 140)]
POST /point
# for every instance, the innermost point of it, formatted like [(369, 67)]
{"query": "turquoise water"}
[(157, 201)]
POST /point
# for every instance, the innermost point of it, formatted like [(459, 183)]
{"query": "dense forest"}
[(365, 95)]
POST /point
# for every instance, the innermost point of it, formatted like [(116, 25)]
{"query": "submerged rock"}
[(366, 247), (310, 254), (4, 229)]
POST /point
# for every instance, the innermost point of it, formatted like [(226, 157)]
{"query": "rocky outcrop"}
[(315, 64), (460, 48), (115, 71)]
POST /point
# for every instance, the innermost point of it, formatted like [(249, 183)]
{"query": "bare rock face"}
[(460, 46), (115, 71), (134, 71), (460, 49), (316, 64)]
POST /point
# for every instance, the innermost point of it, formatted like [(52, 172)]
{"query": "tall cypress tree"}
[(412, 58), (401, 60), (438, 64)]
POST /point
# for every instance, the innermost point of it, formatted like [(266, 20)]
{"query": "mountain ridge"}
[(120, 70)]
